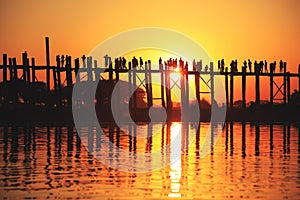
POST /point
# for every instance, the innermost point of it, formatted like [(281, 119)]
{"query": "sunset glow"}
[(240, 30)]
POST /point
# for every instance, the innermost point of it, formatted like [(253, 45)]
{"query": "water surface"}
[(248, 161)]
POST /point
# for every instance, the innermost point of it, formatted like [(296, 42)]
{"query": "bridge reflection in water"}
[(248, 161)]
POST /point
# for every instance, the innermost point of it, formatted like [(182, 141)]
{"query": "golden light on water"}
[(175, 172)]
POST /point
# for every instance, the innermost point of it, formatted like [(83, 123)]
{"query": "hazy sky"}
[(232, 29)]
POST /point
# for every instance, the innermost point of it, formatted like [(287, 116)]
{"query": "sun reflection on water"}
[(175, 172)]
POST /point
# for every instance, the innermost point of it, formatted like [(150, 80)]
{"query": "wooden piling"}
[(244, 87), (197, 86), (110, 72), (129, 85), (89, 68), (77, 69), (15, 69), (162, 88), (28, 71), (257, 86), (25, 66), (33, 70), (134, 85), (288, 87), (271, 87), (11, 69), (226, 86), (4, 75), (187, 93), (231, 87), (96, 72), (150, 83), (183, 92), (212, 83), (284, 83), (299, 78), (58, 75), (47, 63), (68, 72), (54, 72), (117, 72), (168, 89), (146, 83)]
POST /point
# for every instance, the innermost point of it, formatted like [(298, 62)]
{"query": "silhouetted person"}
[(271, 67), (62, 60), (235, 66), (274, 65), (169, 63), (206, 68), (58, 60), (250, 65), (123, 63), (134, 62), (194, 65), (280, 65), (67, 61), (266, 66), (181, 64), (107, 60), (245, 64), (175, 63), (141, 62), (255, 66), (219, 65), (160, 60), (199, 66), (116, 63), (186, 66), (223, 64), (83, 60), (232, 66), (261, 66)]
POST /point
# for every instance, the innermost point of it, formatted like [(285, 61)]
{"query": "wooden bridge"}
[(92, 72)]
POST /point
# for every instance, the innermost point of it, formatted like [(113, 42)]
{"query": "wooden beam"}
[(226, 86), (244, 87), (257, 85), (284, 83), (271, 87), (231, 87), (4, 67), (47, 63), (33, 70), (212, 83), (162, 88)]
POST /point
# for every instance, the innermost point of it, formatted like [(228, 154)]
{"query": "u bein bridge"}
[(91, 72)]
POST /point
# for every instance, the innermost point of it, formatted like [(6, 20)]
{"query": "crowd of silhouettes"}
[(172, 64), (261, 66), (63, 61)]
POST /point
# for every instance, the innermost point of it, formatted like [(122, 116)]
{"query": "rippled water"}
[(248, 161)]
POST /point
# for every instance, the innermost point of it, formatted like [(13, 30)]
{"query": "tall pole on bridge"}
[(47, 63), (212, 83), (162, 93)]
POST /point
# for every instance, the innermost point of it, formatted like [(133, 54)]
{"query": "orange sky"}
[(232, 29)]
